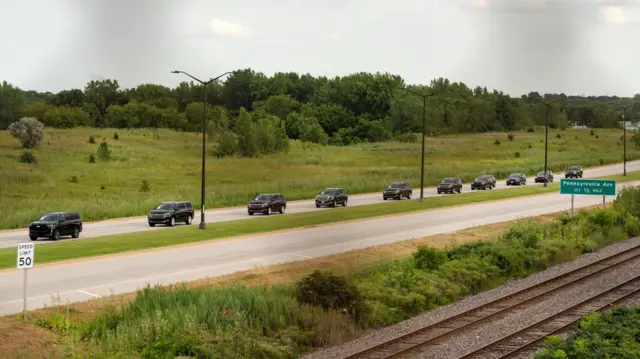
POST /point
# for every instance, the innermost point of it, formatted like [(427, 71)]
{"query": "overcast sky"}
[(571, 46)]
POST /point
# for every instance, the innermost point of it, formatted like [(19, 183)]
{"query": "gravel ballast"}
[(483, 334)]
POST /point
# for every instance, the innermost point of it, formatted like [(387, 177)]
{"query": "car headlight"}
[(265, 204), (167, 215), (50, 225)]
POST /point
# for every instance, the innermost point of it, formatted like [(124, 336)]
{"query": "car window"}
[(330, 191), (182, 206), (189, 205), (49, 217), (165, 206), (262, 197)]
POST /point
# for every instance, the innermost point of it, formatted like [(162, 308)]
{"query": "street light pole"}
[(424, 129), (546, 138), (624, 125), (203, 225)]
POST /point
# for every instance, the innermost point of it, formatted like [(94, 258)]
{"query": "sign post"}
[(587, 187), (24, 262)]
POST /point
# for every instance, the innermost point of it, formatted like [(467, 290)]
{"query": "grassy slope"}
[(170, 162), (65, 250)]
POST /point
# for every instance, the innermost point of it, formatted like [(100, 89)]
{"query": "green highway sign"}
[(587, 186)]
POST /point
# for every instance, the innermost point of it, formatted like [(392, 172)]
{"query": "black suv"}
[(541, 178), (331, 197), (397, 190), (518, 179), (573, 171), (171, 212), (450, 185), (483, 182), (267, 203), (55, 224)]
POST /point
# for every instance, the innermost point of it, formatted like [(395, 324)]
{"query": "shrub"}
[(596, 136), (28, 130), (115, 136), (73, 179), (517, 154), (227, 145), (601, 161), (530, 129), (529, 146), (429, 258), (496, 142), (408, 137), (103, 187), (592, 133), (28, 157), (145, 187), (329, 291), (92, 158), (510, 136), (92, 140), (558, 135), (104, 153)]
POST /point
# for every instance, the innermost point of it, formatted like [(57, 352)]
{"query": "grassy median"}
[(66, 250)]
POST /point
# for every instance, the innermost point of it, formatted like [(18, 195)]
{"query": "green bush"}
[(92, 140), (510, 136), (496, 142), (329, 291), (28, 130), (429, 258), (28, 157), (407, 137), (145, 187), (104, 153), (92, 158)]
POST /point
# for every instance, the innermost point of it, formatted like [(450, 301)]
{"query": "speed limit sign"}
[(25, 255)]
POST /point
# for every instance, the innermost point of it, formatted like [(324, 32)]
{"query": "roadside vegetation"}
[(612, 334), (65, 250), (88, 171), (324, 308)]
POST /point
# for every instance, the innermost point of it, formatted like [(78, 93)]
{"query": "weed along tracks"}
[(520, 339)]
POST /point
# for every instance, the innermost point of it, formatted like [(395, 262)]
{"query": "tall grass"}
[(170, 162)]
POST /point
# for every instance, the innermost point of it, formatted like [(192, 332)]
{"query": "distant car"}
[(483, 182), (267, 204), (397, 190), (170, 213), (55, 224), (450, 185), (331, 197), (541, 178), (517, 179), (573, 172)]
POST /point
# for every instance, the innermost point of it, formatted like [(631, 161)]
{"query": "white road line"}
[(87, 293), (299, 255)]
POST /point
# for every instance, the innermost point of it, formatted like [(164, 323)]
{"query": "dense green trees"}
[(339, 111)]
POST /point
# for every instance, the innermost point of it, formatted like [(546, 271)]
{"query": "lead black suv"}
[(518, 179), (450, 185), (541, 178), (331, 197), (55, 224), (397, 190), (267, 203), (171, 212), (483, 182), (573, 171)]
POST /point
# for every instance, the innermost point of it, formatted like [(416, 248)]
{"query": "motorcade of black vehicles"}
[(573, 172), (483, 182), (331, 197), (517, 179), (53, 225), (397, 190), (170, 213), (542, 178), (450, 185), (267, 203)]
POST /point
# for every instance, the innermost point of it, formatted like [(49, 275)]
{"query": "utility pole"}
[(205, 84), (424, 130), (624, 125), (546, 137)]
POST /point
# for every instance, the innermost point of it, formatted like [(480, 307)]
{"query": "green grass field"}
[(65, 250), (63, 178)]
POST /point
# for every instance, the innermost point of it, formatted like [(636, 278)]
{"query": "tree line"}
[(250, 106)]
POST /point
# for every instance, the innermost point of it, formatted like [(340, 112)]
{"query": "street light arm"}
[(415, 92), (182, 72), (213, 79)]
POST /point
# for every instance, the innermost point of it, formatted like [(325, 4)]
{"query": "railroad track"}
[(435, 333), (526, 339)]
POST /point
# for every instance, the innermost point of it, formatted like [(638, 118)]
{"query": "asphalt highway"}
[(138, 224), (59, 283)]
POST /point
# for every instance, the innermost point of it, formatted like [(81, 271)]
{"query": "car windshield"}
[(573, 168), (165, 206), (395, 185), (541, 174), (482, 178), (329, 191), (262, 197), (449, 180), (515, 175), (49, 217)]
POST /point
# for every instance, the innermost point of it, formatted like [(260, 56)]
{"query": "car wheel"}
[(317, 205), (76, 233), (409, 195), (152, 224), (439, 192), (282, 209), (250, 213), (33, 238), (334, 203), (344, 204), (384, 198), (172, 222), (460, 190), (188, 221), (267, 211), (55, 235)]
